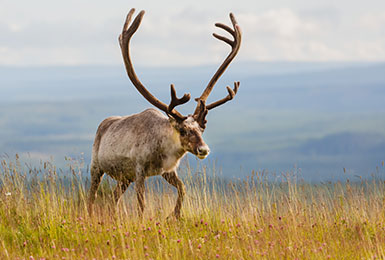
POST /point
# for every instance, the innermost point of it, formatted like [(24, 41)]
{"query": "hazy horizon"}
[(312, 118)]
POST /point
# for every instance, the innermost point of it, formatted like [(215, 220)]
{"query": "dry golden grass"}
[(43, 216)]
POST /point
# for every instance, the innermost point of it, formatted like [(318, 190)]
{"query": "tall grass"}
[(43, 216)]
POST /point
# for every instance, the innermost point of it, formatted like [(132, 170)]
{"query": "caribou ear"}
[(173, 122)]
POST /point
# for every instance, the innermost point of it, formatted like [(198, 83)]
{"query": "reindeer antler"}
[(235, 45), (124, 40), (230, 96)]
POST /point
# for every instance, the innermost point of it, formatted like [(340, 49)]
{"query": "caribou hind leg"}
[(173, 179), (121, 187), (96, 178), (139, 187)]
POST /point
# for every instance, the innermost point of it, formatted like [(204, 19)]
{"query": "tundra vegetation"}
[(43, 215)]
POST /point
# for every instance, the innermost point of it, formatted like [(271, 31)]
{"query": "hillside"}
[(319, 117)]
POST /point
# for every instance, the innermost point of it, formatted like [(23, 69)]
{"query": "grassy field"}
[(43, 216)]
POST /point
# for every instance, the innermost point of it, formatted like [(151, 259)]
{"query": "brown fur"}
[(134, 147)]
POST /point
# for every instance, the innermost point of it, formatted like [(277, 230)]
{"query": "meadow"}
[(43, 216)]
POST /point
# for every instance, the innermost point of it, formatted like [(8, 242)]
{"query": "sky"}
[(178, 33)]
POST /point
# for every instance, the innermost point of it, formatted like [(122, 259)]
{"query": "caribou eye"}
[(182, 132)]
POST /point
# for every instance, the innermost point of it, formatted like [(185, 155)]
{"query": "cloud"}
[(276, 23), (183, 37), (373, 21), (283, 34)]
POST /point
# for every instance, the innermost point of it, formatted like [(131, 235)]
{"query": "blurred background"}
[(312, 74)]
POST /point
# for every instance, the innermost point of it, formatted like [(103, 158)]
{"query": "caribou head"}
[(190, 127)]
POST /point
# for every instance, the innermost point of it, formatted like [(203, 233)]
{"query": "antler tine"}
[(200, 116), (175, 101), (230, 96), (235, 45), (124, 41)]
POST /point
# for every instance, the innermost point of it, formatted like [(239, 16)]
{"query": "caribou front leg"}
[(173, 179)]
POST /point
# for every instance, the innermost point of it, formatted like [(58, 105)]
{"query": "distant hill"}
[(320, 117), (344, 144)]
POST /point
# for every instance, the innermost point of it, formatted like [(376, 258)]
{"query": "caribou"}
[(134, 147)]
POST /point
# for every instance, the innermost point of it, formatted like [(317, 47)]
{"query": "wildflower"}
[(146, 254), (178, 241), (53, 246), (157, 223), (217, 255), (159, 231), (199, 246), (25, 244), (108, 242), (223, 221), (64, 249), (149, 229), (8, 194), (260, 230), (145, 247), (238, 225), (31, 258), (271, 226)]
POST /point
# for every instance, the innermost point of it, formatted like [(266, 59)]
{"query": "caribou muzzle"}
[(202, 151)]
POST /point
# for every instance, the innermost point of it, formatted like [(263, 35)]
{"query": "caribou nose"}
[(203, 151)]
